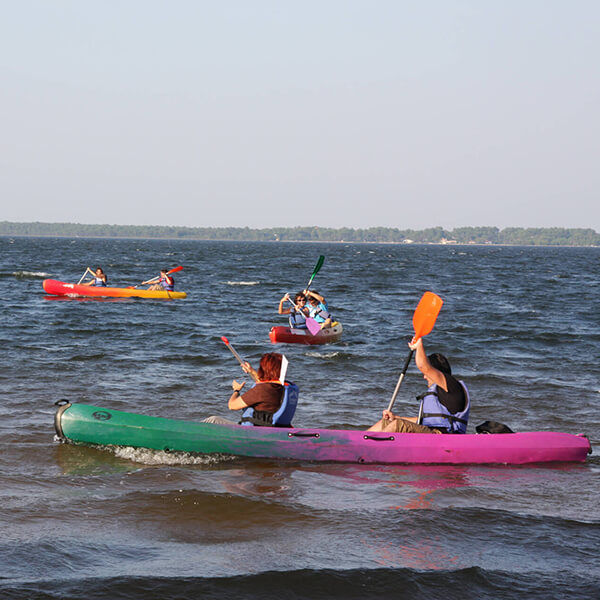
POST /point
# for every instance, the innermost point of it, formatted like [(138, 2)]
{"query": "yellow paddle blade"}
[(426, 314)]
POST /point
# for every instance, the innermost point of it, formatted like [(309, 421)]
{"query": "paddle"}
[(87, 270), (131, 287), (233, 350), (316, 270), (311, 324), (284, 360), (423, 321)]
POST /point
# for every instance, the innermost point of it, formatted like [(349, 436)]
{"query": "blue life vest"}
[(435, 414), (99, 282), (320, 313), (297, 319), (169, 287), (282, 417)]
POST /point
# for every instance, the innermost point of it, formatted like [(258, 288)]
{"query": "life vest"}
[(99, 282), (297, 319), (282, 417), (320, 313), (435, 414), (164, 281)]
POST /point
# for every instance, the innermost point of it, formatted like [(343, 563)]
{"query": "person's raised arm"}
[(281, 310), (425, 366), (311, 294)]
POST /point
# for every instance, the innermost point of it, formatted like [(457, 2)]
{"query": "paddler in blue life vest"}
[(444, 406), (266, 395), (298, 310), (99, 278), (318, 308), (165, 282)]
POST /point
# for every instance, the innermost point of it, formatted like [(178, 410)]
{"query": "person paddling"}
[(265, 397), (444, 406), (165, 282), (318, 309), (99, 277), (298, 311)]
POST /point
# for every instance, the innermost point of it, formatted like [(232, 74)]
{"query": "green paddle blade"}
[(318, 265), (316, 269)]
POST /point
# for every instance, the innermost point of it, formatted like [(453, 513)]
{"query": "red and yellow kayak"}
[(60, 288)]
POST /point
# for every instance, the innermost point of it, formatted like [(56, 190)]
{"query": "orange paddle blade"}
[(426, 314)]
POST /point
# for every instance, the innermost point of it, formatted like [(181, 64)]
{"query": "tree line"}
[(540, 236)]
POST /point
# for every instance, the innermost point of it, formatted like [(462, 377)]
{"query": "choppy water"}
[(520, 325)]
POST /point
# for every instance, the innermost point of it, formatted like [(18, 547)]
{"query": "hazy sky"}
[(279, 113)]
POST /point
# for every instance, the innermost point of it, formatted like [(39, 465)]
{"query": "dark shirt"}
[(265, 397), (454, 399)]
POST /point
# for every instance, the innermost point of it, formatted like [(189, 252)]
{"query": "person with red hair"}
[(265, 397)]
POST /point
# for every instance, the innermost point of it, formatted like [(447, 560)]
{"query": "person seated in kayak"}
[(297, 311), (99, 278), (265, 396), (318, 308), (165, 282), (445, 404)]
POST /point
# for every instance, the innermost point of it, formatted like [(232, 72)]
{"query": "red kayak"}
[(287, 335)]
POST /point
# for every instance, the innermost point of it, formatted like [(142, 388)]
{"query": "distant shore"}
[(512, 236)]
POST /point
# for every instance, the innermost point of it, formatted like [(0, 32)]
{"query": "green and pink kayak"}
[(84, 424)]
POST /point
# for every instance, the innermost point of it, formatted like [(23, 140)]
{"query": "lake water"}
[(521, 325)]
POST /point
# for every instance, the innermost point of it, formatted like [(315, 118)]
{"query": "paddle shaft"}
[(233, 350), (400, 380), (87, 270), (242, 362)]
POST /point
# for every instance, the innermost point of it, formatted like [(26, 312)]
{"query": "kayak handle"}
[(390, 438), (304, 434), (61, 402)]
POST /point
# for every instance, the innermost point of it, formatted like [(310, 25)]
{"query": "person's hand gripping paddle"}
[(242, 362), (423, 321), (284, 361)]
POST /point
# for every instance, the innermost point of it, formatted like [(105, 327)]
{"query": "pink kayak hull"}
[(420, 448)]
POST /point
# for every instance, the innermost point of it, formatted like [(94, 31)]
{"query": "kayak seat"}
[(285, 413)]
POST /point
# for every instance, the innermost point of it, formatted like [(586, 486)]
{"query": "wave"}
[(27, 275), (242, 282), (324, 354), (315, 584), (146, 456)]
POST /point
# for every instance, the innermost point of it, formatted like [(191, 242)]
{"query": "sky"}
[(331, 113)]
